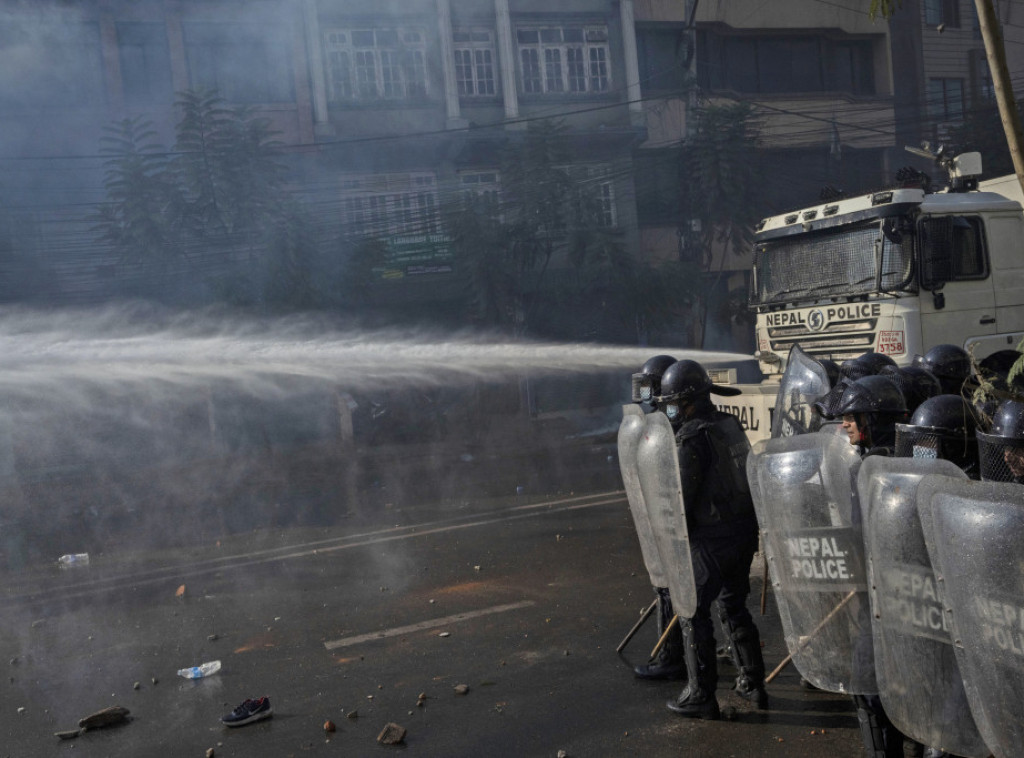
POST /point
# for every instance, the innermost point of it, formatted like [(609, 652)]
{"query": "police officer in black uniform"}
[(942, 427), (1002, 448), (950, 364), (669, 663), (870, 408), (723, 536)]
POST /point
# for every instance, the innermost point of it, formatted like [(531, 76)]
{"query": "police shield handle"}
[(636, 627), (664, 636), (804, 641)]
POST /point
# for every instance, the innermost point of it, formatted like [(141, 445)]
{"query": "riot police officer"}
[(723, 537), (669, 663), (917, 384), (950, 364), (647, 381), (1001, 449), (942, 427), (867, 364), (870, 407)]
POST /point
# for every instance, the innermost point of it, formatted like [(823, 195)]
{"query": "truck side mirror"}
[(936, 237)]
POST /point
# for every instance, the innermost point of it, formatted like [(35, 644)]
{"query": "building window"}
[(606, 204), (244, 63), (480, 191), (946, 99), (598, 192), (386, 205), (784, 64), (942, 12), (370, 64), (571, 59), (474, 62), (145, 62)]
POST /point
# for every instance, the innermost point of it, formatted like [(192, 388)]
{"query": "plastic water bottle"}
[(73, 559), (198, 672)]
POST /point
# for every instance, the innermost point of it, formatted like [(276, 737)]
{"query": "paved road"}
[(522, 599)]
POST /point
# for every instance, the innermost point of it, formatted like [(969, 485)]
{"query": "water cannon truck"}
[(895, 271)]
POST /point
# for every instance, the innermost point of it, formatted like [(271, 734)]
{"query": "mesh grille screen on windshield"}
[(822, 265)]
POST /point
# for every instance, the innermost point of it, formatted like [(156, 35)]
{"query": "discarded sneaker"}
[(248, 712)]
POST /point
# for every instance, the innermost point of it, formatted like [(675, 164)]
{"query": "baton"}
[(807, 640), (664, 636), (636, 627), (764, 583)]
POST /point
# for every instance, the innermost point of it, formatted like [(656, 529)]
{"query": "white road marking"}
[(429, 624)]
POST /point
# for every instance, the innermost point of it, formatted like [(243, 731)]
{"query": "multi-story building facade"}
[(387, 109), (384, 110)]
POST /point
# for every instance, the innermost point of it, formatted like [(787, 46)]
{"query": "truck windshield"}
[(836, 262)]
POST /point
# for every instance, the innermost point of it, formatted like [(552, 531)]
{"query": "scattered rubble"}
[(329, 726), (391, 734), (111, 716), (461, 689)]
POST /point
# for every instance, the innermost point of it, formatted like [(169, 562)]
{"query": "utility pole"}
[(996, 54)]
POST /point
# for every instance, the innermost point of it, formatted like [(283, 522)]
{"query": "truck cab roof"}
[(879, 205)]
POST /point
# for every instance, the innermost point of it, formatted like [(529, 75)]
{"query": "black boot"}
[(697, 700), (881, 738), (669, 663), (746, 644)]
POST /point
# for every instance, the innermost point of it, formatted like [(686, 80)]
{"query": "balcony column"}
[(506, 59), (451, 88), (627, 18), (321, 119)]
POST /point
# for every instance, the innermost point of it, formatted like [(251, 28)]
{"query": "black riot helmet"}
[(647, 382), (831, 370), (996, 369), (684, 382), (877, 404), (854, 368), (950, 364), (942, 427), (827, 404), (916, 384), (1001, 450), (874, 362), (872, 394)]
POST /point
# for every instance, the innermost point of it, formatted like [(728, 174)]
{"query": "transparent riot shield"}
[(975, 547), (803, 382), (919, 680), (630, 431), (811, 533), (658, 468)]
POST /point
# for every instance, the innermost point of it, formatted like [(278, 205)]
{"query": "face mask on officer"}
[(673, 411), (645, 392)]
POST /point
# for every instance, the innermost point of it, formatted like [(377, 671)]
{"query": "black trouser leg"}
[(669, 663), (698, 698)]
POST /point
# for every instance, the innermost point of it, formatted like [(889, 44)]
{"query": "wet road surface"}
[(522, 599)]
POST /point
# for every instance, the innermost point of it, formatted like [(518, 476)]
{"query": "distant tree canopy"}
[(214, 207)]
